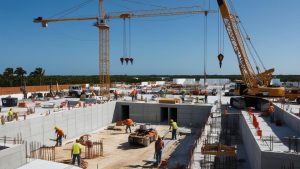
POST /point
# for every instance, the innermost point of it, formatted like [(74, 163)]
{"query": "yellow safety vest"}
[(76, 148), (174, 125), (10, 113)]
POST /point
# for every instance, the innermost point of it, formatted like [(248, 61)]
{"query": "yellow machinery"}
[(257, 84)]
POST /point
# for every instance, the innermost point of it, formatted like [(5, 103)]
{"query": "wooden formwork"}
[(95, 150)]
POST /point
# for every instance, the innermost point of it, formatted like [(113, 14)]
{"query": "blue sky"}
[(160, 45)]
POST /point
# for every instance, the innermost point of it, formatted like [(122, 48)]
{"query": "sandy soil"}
[(117, 151)]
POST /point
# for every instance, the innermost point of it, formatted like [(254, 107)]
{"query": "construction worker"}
[(129, 123), (133, 94), (76, 151), (59, 135), (174, 127), (10, 115), (116, 94), (205, 95), (159, 145), (271, 111)]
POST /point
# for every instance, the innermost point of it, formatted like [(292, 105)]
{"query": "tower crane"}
[(104, 48), (257, 84)]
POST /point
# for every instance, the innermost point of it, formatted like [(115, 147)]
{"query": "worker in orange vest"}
[(205, 95), (133, 94), (271, 111), (159, 145), (59, 135), (129, 123)]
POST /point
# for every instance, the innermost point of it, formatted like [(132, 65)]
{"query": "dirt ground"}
[(117, 151)]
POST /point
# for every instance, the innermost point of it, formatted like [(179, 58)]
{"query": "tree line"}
[(19, 77)]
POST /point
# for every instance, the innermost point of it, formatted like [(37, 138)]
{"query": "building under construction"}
[(251, 126)]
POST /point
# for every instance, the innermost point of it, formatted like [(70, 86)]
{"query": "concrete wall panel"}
[(252, 149), (12, 157)]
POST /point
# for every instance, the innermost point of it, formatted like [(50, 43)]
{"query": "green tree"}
[(38, 73), (8, 74), (20, 72)]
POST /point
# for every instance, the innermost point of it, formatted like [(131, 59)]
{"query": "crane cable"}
[(119, 5), (205, 47), (124, 39), (249, 40), (247, 36), (143, 3), (129, 38), (250, 52), (71, 10)]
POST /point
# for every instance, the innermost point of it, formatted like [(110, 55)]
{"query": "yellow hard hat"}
[(10, 109), (171, 120), (55, 128)]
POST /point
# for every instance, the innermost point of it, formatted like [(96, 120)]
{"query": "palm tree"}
[(38, 72), (9, 75), (20, 72)]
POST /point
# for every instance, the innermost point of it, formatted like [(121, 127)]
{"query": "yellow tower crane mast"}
[(104, 48)]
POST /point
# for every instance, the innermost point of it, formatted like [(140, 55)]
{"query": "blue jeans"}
[(74, 158), (128, 127), (158, 156), (174, 131), (59, 141)]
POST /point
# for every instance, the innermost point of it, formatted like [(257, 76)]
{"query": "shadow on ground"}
[(148, 164), (127, 146)]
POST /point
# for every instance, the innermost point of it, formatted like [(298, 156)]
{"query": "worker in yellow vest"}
[(10, 115), (174, 127), (75, 153)]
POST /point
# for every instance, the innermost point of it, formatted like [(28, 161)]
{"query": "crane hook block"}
[(126, 60), (131, 60), (122, 60), (220, 58)]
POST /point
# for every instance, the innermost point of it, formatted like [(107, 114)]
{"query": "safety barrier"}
[(254, 122)]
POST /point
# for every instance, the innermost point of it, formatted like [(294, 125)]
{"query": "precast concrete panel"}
[(13, 157), (94, 120), (276, 160), (101, 115), (291, 120), (252, 149), (88, 119)]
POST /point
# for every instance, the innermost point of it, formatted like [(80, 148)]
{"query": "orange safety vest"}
[(206, 93), (271, 109), (159, 144), (60, 132), (129, 122)]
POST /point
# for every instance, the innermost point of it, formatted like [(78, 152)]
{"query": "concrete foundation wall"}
[(265, 159), (276, 160), (151, 113), (12, 157), (291, 120), (74, 122), (252, 149)]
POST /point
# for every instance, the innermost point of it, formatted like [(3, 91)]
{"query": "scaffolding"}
[(219, 150)]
